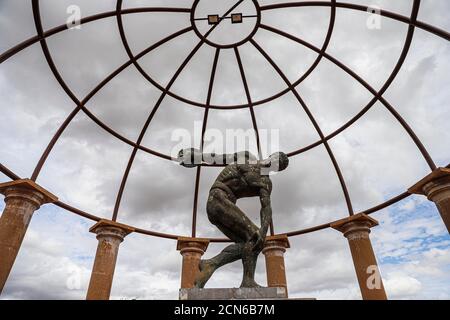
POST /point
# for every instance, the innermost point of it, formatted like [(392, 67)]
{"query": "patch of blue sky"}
[(418, 228)]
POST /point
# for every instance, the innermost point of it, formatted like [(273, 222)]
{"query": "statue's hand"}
[(190, 157)]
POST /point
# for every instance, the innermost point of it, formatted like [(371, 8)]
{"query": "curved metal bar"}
[(195, 204), (377, 94), (202, 141), (252, 114), (385, 13), (157, 105), (25, 44), (387, 203), (315, 124), (249, 99), (8, 172)]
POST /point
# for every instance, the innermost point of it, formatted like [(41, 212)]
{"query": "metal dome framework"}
[(333, 5)]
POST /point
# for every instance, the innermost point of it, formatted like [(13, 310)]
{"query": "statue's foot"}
[(250, 283), (206, 268)]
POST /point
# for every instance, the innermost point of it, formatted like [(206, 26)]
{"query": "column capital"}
[(358, 226), (436, 182), (278, 242), (107, 228), (187, 244), (192, 250), (27, 189)]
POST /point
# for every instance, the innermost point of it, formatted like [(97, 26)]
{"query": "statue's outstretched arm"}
[(192, 157)]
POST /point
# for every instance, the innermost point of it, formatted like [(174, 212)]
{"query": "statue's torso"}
[(240, 180)]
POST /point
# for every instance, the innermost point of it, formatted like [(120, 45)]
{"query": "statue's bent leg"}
[(228, 255), (249, 259), (224, 214)]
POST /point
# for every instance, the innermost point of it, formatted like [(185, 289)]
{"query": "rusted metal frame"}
[(143, 72), (398, 198), (28, 42), (81, 104), (136, 63), (255, 103), (290, 154), (314, 123), (5, 170), (426, 27), (202, 141), (155, 109), (377, 94), (197, 104)]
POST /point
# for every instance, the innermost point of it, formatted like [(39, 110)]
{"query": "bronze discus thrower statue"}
[(244, 176)]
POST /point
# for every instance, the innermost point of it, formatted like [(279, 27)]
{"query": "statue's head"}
[(278, 161)]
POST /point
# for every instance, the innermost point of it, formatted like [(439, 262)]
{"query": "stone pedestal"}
[(356, 229), (436, 187), (109, 234), (22, 198), (274, 249), (192, 250), (233, 294)]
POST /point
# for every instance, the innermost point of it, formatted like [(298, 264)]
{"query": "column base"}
[(109, 234)]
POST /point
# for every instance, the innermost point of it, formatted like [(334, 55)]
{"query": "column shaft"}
[(109, 235), (192, 250), (22, 198), (273, 251), (356, 229)]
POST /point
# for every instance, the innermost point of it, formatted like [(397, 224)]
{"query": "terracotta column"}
[(274, 249), (109, 234), (356, 229), (436, 186), (192, 250), (22, 198)]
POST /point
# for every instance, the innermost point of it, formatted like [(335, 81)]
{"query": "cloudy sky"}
[(85, 168)]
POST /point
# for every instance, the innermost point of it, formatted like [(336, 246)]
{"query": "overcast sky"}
[(85, 168)]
